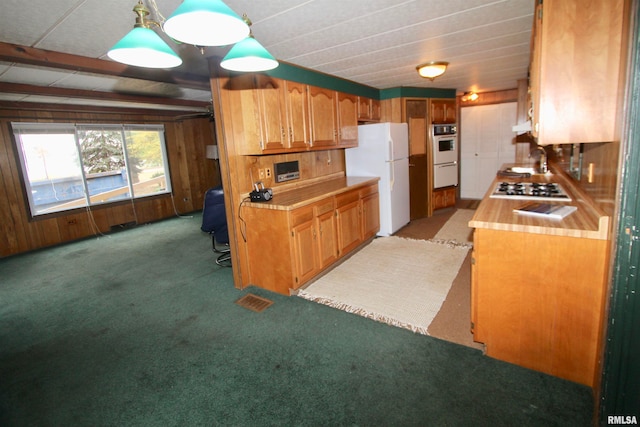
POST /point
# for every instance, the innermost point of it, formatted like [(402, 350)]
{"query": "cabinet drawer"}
[(301, 215), (324, 206), (369, 190), (346, 198)]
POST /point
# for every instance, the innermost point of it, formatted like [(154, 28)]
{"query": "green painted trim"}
[(294, 73), (621, 371), (417, 92), (298, 74)]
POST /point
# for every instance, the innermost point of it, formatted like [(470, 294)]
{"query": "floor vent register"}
[(254, 303)]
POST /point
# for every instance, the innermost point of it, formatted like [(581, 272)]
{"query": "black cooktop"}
[(530, 191)]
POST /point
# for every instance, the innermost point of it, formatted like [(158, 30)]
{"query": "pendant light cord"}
[(156, 12)]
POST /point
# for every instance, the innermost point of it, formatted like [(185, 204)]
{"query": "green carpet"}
[(140, 328)]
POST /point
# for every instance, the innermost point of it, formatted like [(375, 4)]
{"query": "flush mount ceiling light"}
[(470, 96), (206, 23), (433, 69), (142, 47), (197, 22), (248, 55)]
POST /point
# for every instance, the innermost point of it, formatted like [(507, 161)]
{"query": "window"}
[(68, 166)]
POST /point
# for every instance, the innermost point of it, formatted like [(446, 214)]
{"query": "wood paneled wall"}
[(191, 175)]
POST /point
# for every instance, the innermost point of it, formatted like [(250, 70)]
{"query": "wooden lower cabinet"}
[(348, 221), (443, 198), (370, 212), (538, 300), (288, 248)]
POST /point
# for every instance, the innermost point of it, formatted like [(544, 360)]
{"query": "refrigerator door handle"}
[(447, 165), (390, 147), (392, 174)]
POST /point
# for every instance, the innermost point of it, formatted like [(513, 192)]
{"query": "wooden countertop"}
[(497, 214), (302, 196)]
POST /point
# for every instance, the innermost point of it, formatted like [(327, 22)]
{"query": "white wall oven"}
[(445, 155)]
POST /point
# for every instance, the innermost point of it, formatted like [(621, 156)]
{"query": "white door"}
[(486, 143)]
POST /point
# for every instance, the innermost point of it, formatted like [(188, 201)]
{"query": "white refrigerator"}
[(383, 151)]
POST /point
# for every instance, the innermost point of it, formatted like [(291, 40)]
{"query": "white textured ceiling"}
[(372, 42)]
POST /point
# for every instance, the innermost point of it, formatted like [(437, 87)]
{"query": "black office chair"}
[(214, 222)]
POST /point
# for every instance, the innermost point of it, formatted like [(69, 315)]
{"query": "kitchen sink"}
[(529, 170)]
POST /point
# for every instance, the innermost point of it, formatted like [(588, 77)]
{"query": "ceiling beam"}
[(58, 60), (23, 107), (98, 95)]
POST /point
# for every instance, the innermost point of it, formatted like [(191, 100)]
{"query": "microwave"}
[(444, 130)]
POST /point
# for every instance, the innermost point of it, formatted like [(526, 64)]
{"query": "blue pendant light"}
[(248, 55), (205, 23), (142, 47)]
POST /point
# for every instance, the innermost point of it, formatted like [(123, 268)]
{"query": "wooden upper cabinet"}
[(576, 65), (443, 111), (272, 116), (347, 120), (323, 117), (369, 110), (297, 107), (244, 114), (376, 110), (364, 108), (271, 105)]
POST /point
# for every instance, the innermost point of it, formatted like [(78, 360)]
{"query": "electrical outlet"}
[(268, 172), (261, 173)]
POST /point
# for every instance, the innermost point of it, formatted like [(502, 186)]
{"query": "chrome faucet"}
[(544, 167)]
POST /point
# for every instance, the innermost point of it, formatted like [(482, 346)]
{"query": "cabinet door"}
[(245, 116), (370, 215), (450, 111), (376, 110), (297, 107), (326, 237), (348, 221), (580, 48), (271, 107), (450, 197), (347, 120), (437, 112), (437, 199), (323, 117), (304, 248), (443, 111), (364, 108)]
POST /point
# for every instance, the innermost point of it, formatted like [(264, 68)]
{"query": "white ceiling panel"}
[(372, 42)]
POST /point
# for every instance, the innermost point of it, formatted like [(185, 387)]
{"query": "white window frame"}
[(20, 128)]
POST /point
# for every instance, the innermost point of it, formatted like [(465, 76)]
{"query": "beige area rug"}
[(457, 228), (398, 281)]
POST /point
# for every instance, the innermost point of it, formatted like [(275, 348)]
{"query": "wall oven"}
[(445, 155)]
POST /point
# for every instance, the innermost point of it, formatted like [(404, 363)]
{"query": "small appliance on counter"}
[(260, 194)]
